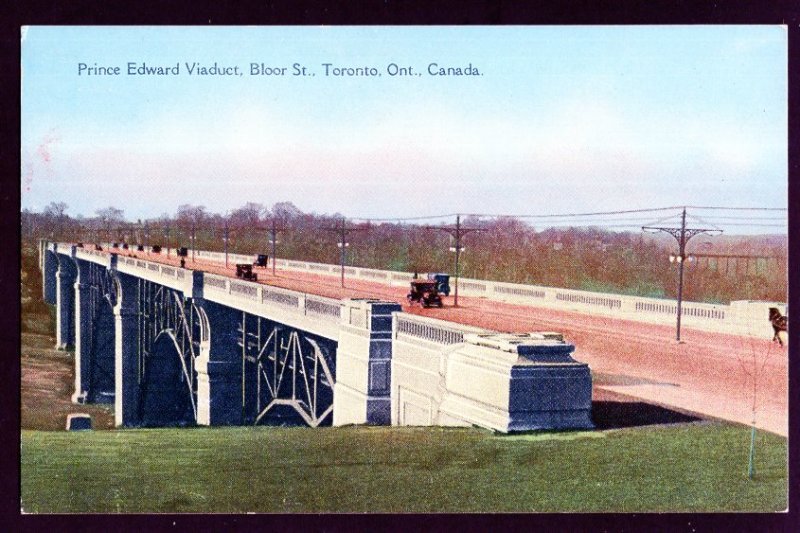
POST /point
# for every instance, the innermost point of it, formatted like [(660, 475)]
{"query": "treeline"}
[(506, 249)]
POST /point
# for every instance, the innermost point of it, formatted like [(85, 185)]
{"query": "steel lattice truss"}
[(285, 371), (164, 312)]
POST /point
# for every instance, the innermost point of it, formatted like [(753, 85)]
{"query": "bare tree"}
[(55, 217), (754, 370), (110, 218)]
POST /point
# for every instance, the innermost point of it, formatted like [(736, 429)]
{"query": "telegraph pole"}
[(166, 238), (343, 230), (193, 239), (225, 238), (682, 235), (457, 233), (273, 231)]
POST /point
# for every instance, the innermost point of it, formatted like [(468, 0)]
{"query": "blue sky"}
[(562, 119)]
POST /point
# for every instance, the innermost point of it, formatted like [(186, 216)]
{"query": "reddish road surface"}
[(708, 373)]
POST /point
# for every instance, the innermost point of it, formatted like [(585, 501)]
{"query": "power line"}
[(754, 225), (402, 219), (738, 208), (716, 217), (561, 215)]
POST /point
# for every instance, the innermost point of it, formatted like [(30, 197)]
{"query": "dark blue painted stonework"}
[(225, 364), (550, 396), (380, 361), (166, 394), (65, 284), (50, 271)]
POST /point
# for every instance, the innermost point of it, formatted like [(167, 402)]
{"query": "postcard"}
[(404, 269)]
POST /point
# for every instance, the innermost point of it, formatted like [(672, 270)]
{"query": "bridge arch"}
[(167, 389)]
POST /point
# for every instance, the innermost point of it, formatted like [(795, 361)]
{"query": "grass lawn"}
[(684, 467)]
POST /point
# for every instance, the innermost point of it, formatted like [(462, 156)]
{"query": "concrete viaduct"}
[(172, 346)]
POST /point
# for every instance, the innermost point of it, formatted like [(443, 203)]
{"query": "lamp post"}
[(193, 240), (273, 240), (681, 259), (166, 238), (225, 238), (457, 249), (682, 235), (343, 245)]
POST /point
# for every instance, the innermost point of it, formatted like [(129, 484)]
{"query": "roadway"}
[(710, 374)]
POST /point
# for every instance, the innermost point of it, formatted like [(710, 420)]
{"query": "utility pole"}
[(343, 230), (457, 233), (682, 235), (225, 238), (193, 239), (273, 231), (166, 238)]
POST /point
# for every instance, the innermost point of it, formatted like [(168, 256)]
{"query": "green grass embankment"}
[(688, 467)]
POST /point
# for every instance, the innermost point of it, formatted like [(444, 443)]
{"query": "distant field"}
[(685, 467)]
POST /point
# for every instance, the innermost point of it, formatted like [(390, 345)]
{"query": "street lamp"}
[(272, 242), (193, 240), (681, 259)]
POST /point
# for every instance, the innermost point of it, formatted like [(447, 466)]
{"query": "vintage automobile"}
[(183, 252), (424, 292), (156, 249), (442, 282), (261, 260), (245, 271)]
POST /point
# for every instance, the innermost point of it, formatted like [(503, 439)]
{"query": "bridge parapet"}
[(708, 317), (316, 314), (431, 330), (169, 276), (91, 255)]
